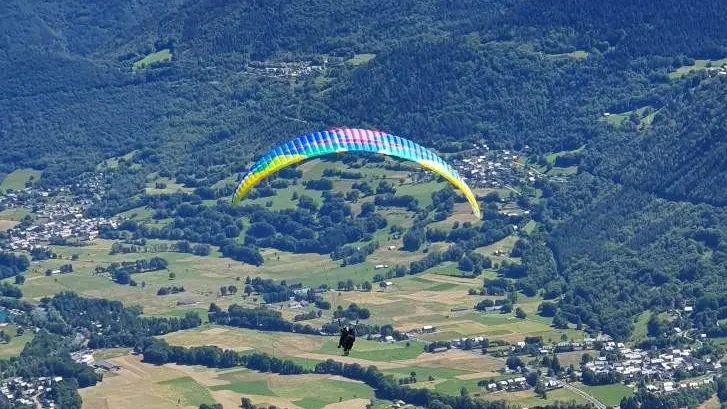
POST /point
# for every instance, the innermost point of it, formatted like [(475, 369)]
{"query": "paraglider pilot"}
[(348, 337)]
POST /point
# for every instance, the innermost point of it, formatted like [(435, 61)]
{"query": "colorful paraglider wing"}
[(349, 140)]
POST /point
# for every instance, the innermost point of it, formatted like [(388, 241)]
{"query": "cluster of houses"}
[(511, 385), (493, 169), (285, 69), (85, 357), (28, 197), (400, 404), (33, 393), (669, 386), (635, 364), (717, 71), (59, 219)]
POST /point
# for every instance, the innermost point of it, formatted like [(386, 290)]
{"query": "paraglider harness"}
[(348, 336)]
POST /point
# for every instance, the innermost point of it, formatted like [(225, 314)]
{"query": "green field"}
[(16, 180), (189, 391), (159, 56), (530, 226), (15, 214), (443, 287), (644, 114), (16, 344), (359, 59), (553, 156), (698, 65), (283, 198), (527, 399), (326, 392), (610, 395), (423, 373), (109, 353), (640, 330), (571, 170), (113, 163), (574, 55), (308, 391), (167, 186), (377, 351), (247, 387), (201, 276)]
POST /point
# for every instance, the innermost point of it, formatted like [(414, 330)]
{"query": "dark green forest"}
[(644, 216)]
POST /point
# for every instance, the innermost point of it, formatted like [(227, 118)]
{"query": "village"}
[(497, 169), (659, 371), (34, 393), (285, 69), (59, 215)]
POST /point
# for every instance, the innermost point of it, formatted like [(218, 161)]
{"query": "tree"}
[(559, 321), (466, 264), (172, 275), (246, 404), (19, 279), (722, 388), (366, 286), (520, 313), (513, 362), (223, 291), (586, 358), (413, 239), (547, 309)]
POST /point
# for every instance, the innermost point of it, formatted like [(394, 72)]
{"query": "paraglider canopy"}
[(349, 140)]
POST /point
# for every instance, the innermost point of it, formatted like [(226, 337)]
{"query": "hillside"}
[(432, 78), (603, 155)]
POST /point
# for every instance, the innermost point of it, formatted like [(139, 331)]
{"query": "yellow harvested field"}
[(383, 255), (450, 279), (349, 404), (367, 298), (567, 358), (349, 360), (215, 331), (237, 340), (477, 375), (438, 324), (230, 399), (172, 386), (711, 403), (134, 386), (455, 297), (457, 359), (7, 224), (203, 376)]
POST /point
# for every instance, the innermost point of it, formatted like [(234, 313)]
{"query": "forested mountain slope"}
[(682, 157), (644, 216), (655, 234), (636, 27)]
